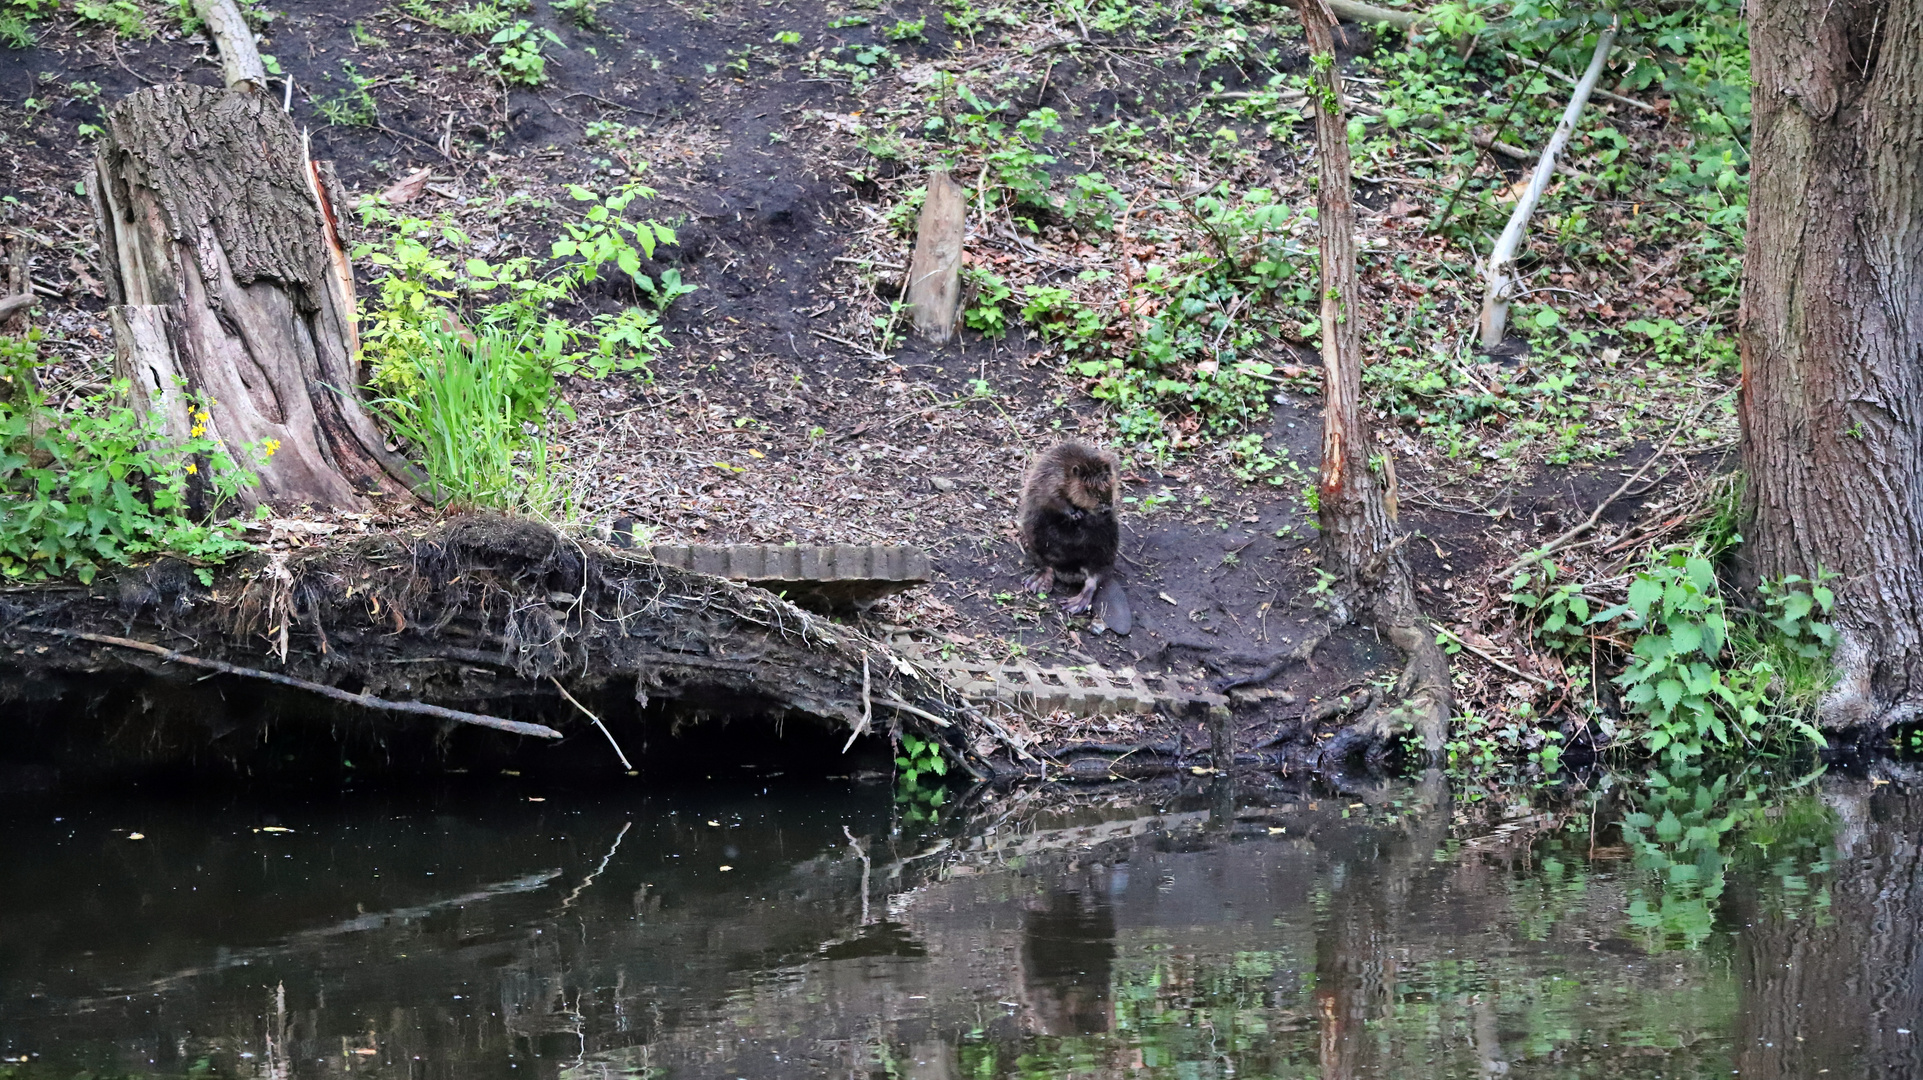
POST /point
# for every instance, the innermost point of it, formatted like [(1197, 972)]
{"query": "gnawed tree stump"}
[(224, 264)]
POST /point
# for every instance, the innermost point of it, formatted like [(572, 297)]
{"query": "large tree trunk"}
[(224, 263), (1832, 331), (1361, 545)]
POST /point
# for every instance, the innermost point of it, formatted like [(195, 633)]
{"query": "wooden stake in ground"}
[(1500, 273), (230, 289), (934, 275), (1360, 546)]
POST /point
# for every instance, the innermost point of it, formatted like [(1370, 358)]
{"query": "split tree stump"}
[(221, 246), (934, 275)]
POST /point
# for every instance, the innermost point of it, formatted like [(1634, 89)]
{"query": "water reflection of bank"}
[(1271, 929)]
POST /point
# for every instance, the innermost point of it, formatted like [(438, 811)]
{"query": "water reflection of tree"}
[(1840, 992), (1358, 930)]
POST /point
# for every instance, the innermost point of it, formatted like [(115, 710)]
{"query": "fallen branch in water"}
[(366, 701), (597, 723)]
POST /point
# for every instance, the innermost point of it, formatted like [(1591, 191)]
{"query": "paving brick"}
[(837, 577), (1087, 691)]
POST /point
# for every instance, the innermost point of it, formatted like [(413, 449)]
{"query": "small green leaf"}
[(1670, 691), (1644, 592), (1686, 637)]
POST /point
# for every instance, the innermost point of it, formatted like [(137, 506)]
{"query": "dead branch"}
[(585, 711), (1595, 515), (1517, 153), (367, 701), (1573, 81), (240, 65), (1500, 272), (1357, 11), (1516, 671)]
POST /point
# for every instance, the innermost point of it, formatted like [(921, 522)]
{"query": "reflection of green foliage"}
[(918, 796), (1687, 830), (1561, 1009)]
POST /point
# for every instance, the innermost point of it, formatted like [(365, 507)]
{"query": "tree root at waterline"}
[(477, 620)]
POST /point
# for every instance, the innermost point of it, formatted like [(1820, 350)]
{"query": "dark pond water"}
[(1696, 926)]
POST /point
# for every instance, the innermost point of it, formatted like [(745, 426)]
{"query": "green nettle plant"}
[(418, 287), (1693, 680), (916, 761), (1676, 678), (605, 234), (103, 485)]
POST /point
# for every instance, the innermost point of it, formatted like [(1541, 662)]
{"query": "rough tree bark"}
[(1827, 992), (1361, 545), (1832, 331), (228, 280)]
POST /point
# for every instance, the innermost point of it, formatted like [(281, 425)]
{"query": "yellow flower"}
[(192, 468), (198, 431), (268, 446), (201, 416)]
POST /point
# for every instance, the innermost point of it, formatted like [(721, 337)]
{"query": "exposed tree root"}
[(492, 615), (1420, 703)]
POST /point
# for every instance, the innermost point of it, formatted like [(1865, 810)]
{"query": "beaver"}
[(1069, 528)]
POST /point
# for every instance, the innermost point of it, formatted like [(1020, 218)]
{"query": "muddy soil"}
[(770, 420)]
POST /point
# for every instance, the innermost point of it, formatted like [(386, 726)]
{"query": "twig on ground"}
[(1595, 515), (858, 347), (894, 702), (1571, 80), (1517, 153), (1517, 672)]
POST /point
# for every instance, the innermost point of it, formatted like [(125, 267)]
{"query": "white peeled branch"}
[(1501, 271), (240, 62)]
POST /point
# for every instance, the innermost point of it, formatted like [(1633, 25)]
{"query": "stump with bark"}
[(232, 295)]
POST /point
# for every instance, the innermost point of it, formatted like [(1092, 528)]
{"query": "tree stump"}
[(934, 275), (223, 260)]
